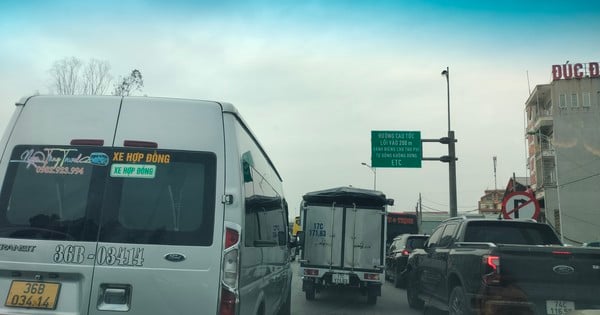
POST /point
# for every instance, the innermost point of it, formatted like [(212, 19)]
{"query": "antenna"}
[(495, 193), (528, 84), (495, 180)]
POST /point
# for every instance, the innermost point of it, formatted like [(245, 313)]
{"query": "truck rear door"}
[(364, 232), (323, 235)]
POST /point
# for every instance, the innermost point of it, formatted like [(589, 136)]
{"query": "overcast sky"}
[(313, 78)]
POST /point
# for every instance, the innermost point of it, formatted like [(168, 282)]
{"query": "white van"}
[(139, 205)]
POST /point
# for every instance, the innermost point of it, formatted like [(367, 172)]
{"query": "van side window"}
[(265, 215)]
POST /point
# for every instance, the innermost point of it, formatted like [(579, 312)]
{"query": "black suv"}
[(397, 256)]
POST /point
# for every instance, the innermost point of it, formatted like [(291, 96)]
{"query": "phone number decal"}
[(104, 256)]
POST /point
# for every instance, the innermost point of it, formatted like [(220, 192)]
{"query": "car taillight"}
[(405, 252), (229, 272), (491, 269)]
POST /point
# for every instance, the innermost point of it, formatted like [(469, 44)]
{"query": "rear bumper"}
[(508, 300)]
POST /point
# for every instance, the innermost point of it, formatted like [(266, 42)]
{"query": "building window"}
[(574, 100), (587, 100), (562, 102)]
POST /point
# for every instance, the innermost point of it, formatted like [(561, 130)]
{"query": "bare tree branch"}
[(96, 77), (65, 76)]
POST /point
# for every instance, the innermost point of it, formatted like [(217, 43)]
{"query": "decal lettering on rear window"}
[(142, 170), (61, 161), (138, 157), (133, 170)]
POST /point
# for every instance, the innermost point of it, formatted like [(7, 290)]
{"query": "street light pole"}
[(374, 170), (451, 154)]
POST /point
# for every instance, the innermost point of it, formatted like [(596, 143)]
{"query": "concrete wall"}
[(577, 147)]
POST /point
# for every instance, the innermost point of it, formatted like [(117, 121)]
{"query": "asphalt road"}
[(350, 301)]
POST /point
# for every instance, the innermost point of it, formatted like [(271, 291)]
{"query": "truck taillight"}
[(491, 269), (229, 272), (371, 276)]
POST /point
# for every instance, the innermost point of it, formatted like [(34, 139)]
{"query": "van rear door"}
[(161, 235), (48, 205)]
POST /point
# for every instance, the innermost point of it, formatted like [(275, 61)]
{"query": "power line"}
[(579, 180)]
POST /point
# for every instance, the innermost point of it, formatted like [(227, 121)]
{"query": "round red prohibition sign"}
[(520, 205)]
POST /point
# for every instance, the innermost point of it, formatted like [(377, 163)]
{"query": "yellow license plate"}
[(33, 294)]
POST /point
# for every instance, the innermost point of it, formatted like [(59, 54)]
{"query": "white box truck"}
[(343, 240)]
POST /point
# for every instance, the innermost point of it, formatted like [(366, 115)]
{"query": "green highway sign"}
[(396, 149)]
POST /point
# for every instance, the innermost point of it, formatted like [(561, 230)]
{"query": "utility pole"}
[(451, 154)]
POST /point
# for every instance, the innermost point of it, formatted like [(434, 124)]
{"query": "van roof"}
[(225, 107)]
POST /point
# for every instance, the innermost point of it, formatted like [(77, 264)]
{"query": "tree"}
[(129, 84), (65, 75), (72, 76), (96, 77)]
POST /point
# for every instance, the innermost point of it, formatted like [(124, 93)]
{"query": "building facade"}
[(563, 135)]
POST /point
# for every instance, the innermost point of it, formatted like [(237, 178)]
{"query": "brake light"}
[(405, 252), (371, 276), (228, 301), (557, 252), (231, 237), (311, 272), (491, 270), (229, 272), (94, 142), (493, 262), (140, 144)]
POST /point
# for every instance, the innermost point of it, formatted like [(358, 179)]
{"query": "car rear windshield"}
[(119, 195), (416, 242), (503, 232)]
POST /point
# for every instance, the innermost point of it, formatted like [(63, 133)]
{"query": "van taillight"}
[(491, 269), (230, 272), (231, 237), (227, 305)]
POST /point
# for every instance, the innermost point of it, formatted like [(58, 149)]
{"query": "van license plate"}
[(33, 294), (339, 278), (558, 307)]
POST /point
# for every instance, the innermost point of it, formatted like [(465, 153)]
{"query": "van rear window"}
[(118, 195)]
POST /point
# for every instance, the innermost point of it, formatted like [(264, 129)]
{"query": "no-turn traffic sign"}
[(520, 205)]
